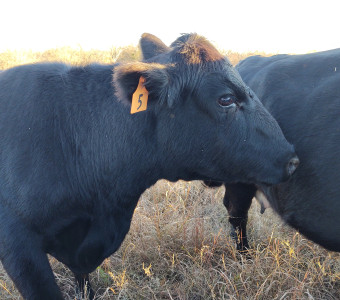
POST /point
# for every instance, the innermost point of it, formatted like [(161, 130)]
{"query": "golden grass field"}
[(179, 245)]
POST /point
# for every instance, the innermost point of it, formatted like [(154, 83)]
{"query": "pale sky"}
[(290, 26)]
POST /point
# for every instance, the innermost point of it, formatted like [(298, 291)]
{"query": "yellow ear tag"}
[(139, 97)]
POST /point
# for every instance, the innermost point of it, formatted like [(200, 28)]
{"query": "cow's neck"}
[(119, 151)]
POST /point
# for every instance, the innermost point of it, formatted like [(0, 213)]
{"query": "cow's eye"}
[(227, 100)]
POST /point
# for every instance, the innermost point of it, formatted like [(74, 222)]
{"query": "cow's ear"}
[(126, 79), (152, 46)]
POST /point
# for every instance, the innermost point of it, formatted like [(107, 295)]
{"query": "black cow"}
[(302, 92), (74, 161)]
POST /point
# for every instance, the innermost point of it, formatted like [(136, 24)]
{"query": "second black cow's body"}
[(303, 93)]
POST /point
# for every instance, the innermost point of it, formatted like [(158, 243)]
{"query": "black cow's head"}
[(208, 123)]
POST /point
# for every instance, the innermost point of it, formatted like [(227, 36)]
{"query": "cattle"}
[(302, 92), (79, 145)]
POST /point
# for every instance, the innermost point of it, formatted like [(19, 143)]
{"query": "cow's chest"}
[(85, 242)]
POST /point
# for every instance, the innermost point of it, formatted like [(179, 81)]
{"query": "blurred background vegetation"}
[(80, 57)]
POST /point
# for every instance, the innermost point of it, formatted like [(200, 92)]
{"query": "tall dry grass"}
[(179, 245), (69, 55)]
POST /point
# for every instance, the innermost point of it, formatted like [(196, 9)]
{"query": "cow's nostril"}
[(292, 165)]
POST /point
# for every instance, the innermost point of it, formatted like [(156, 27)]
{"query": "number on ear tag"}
[(139, 97)]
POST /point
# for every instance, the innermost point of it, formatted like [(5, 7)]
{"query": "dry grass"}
[(179, 246), (69, 55)]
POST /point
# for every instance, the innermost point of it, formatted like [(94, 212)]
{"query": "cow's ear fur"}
[(126, 78), (152, 46)]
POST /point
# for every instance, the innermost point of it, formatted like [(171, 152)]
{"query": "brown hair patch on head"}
[(196, 49)]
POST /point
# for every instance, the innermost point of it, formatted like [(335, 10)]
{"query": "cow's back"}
[(303, 93)]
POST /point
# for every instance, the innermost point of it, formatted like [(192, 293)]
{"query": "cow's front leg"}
[(24, 260), (84, 288), (237, 200)]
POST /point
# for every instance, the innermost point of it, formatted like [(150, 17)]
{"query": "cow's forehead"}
[(235, 78), (191, 50), (195, 49), (228, 76), (193, 56)]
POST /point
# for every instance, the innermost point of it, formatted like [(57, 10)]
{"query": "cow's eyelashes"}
[(227, 100)]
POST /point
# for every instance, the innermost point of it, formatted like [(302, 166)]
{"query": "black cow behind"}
[(74, 161), (303, 93)]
